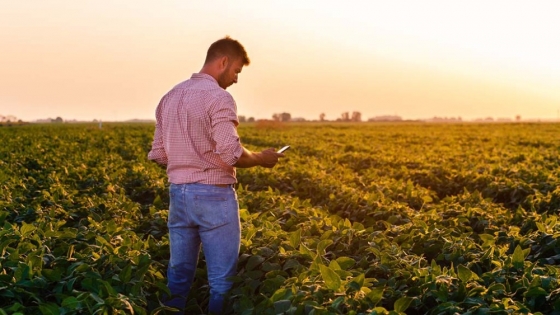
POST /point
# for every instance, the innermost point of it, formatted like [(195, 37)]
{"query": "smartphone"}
[(283, 149)]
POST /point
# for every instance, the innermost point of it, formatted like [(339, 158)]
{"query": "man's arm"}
[(267, 158), (157, 154), (228, 146)]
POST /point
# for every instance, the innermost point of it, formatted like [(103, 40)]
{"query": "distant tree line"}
[(346, 116), (243, 119), (355, 116), (9, 119), (282, 117)]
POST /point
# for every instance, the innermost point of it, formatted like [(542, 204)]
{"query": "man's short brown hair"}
[(227, 47)]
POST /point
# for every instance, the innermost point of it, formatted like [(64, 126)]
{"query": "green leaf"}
[(97, 298), (487, 239), (305, 251), (126, 274), (497, 287), (282, 306), (337, 302), (402, 304), (253, 262), (104, 242), (49, 309), (464, 273), (244, 215), (291, 263), (476, 290), (334, 265), (345, 263), (358, 226), (541, 227), (359, 280), (421, 223), (427, 199), (3, 215), (52, 275), (518, 257), (158, 203), (22, 272), (280, 294), (295, 238), (379, 311), (331, 278), (376, 294), (322, 246), (111, 227), (5, 244), (68, 233), (250, 232), (26, 229), (14, 308), (535, 291), (488, 253), (71, 302), (109, 290), (435, 268)]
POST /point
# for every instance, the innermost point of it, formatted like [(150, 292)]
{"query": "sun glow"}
[(89, 60)]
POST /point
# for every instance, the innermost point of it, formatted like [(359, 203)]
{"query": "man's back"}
[(197, 120)]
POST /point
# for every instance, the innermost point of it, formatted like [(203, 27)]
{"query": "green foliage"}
[(356, 219)]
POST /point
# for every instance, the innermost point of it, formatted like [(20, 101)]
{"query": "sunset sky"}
[(114, 60)]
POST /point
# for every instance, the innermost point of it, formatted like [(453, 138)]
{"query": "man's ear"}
[(224, 62)]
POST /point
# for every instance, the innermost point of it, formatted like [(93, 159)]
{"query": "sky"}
[(114, 60)]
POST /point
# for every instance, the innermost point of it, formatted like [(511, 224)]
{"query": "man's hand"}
[(269, 157)]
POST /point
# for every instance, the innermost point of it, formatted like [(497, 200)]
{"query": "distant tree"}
[(322, 117), (356, 116), (285, 117), (57, 120), (251, 119), (242, 119), (345, 116), (518, 118), (282, 117)]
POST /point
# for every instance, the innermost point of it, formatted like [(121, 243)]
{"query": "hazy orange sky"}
[(114, 60)]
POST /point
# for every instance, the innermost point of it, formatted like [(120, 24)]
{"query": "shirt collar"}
[(203, 76)]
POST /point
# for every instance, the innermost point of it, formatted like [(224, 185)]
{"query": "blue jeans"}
[(207, 215)]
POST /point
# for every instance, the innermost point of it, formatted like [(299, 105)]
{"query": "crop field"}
[(404, 218)]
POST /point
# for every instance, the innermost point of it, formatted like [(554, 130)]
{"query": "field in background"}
[(357, 219)]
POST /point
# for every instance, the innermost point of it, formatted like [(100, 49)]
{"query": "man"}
[(196, 138)]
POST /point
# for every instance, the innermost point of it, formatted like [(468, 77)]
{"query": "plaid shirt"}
[(196, 135)]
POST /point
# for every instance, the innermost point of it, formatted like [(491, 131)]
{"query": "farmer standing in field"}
[(196, 138)]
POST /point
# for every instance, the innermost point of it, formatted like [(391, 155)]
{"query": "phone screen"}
[(283, 149)]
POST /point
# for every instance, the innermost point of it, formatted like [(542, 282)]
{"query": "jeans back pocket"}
[(211, 210)]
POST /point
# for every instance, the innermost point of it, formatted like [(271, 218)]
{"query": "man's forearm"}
[(249, 159)]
